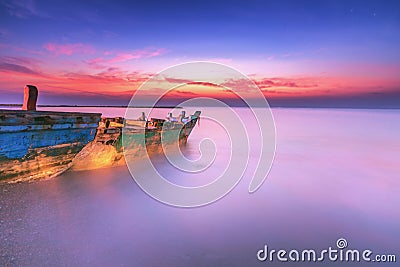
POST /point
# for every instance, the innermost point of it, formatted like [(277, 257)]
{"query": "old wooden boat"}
[(119, 138), (42, 144)]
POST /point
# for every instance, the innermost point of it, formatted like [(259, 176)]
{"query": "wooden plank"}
[(21, 117), (16, 144)]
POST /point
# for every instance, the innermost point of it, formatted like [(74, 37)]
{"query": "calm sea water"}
[(336, 174)]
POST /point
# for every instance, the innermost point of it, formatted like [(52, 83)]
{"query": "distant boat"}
[(42, 144)]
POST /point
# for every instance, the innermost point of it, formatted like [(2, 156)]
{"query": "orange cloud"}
[(106, 78)]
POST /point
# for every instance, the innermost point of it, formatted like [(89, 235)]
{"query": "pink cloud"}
[(282, 82), (113, 57), (69, 49), (137, 54), (96, 63)]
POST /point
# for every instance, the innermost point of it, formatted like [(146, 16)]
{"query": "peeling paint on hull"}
[(107, 150), (42, 144)]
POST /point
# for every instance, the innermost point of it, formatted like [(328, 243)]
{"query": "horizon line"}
[(236, 106)]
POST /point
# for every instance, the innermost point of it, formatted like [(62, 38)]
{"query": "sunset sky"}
[(300, 53)]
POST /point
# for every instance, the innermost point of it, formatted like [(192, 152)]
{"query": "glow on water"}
[(336, 174)]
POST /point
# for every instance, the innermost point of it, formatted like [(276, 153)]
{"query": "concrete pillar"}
[(30, 97)]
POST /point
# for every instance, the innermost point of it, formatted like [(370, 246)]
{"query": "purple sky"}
[(302, 53)]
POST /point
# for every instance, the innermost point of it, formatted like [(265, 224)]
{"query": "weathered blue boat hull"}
[(41, 144), (131, 140)]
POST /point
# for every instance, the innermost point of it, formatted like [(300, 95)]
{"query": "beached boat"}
[(42, 144), (119, 138)]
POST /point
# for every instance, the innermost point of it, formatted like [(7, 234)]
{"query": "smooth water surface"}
[(336, 174)]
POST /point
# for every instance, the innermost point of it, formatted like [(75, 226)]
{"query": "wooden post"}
[(143, 117), (30, 97), (183, 115)]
